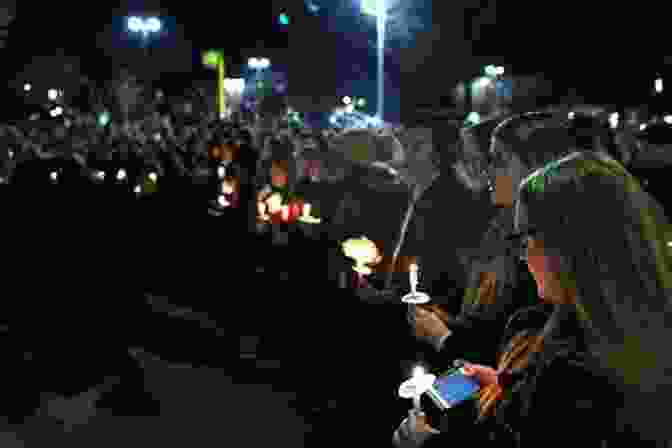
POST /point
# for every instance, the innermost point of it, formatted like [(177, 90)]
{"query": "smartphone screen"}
[(452, 389)]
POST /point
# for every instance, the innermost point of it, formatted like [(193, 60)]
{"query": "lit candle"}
[(413, 276)]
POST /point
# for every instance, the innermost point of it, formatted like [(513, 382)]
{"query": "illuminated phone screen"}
[(454, 388)]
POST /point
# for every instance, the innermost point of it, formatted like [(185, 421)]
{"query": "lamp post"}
[(377, 8), (215, 59), (258, 65)]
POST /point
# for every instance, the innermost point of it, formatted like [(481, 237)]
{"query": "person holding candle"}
[(601, 355)]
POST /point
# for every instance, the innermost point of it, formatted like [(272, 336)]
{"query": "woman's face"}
[(545, 269)]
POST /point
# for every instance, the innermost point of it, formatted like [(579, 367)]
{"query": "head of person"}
[(471, 166), (597, 244), (521, 144)]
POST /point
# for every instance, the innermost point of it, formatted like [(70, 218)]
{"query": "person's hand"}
[(413, 431), (486, 376), (428, 324)]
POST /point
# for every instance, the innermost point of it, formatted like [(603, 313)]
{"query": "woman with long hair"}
[(600, 364)]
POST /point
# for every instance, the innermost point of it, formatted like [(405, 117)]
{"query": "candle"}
[(413, 276)]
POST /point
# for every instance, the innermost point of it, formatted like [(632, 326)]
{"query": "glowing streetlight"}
[(377, 8), (658, 85), (144, 26), (215, 59), (258, 65)]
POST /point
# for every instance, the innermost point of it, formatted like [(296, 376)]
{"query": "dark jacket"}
[(562, 398)]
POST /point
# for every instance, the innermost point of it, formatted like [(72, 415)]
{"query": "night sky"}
[(610, 52)]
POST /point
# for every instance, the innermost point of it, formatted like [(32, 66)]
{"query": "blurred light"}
[(153, 177), (482, 83), (361, 102), (103, 119), (153, 25), (137, 189), (613, 120), (499, 71), (371, 7), (52, 94), (669, 243), (100, 175), (211, 58), (350, 108), (121, 174), (491, 70), (667, 119), (221, 200), (53, 176), (473, 118), (135, 24), (11, 154), (283, 19), (56, 112), (234, 85), (221, 172), (571, 115), (258, 63), (333, 119), (642, 126), (658, 85), (27, 87), (144, 26), (347, 100), (418, 371), (313, 8)]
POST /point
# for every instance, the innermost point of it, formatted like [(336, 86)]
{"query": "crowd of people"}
[(573, 356), (562, 323)]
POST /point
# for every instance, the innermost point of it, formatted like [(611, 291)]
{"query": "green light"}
[(370, 7), (103, 119), (212, 58), (361, 102), (284, 20), (474, 118)]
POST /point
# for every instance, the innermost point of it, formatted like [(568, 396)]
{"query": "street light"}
[(377, 8), (144, 26), (258, 65), (658, 85)]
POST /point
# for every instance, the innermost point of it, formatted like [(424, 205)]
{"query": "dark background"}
[(607, 52)]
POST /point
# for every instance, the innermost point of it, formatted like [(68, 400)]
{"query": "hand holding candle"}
[(414, 297)]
